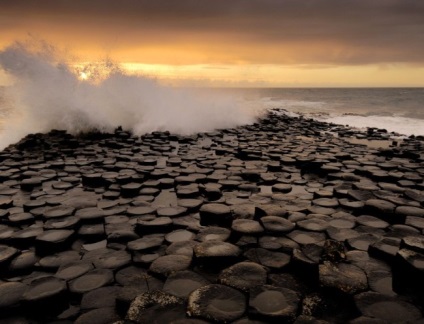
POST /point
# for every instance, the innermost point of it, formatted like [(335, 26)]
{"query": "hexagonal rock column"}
[(271, 304), (45, 296), (156, 307), (216, 254), (216, 214), (217, 303)]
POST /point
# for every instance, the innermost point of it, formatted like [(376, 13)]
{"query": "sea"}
[(145, 106), (399, 110)]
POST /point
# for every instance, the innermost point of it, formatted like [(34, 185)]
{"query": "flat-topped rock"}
[(216, 214), (52, 241), (73, 270), (145, 243), (58, 212), (168, 264), (156, 225), (179, 236), (271, 303), (45, 295), (182, 283), (270, 259), (303, 237), (386, 308), (243, 276), (216, 253), (11, 294), (7, 253), (54, 261), (247, 227), (276, 224), (213, 233), (346, 278), (372, 221), (156, 306), (91, 280), (216, 303)]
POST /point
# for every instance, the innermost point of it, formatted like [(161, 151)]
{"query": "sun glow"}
[(83, 76)]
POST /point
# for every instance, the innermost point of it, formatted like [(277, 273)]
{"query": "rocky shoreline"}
[(285, 220)]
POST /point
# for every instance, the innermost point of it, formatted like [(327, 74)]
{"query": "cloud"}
[(334, 32)]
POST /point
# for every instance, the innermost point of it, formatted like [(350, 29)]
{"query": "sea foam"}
[(49, 94)]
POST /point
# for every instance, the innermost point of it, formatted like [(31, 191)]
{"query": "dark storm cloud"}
[(309, 31)]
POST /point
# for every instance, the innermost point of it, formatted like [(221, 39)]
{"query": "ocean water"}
[(399, 110), (47, 93)]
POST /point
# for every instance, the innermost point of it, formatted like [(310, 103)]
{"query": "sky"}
[(269, 43)]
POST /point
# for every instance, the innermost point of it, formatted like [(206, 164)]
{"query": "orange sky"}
[(291, 43)]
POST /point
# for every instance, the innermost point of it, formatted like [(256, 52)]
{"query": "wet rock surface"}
[(284, 220)]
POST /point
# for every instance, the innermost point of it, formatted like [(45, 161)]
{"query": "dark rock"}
[(100, 298), (385, 308), (93, 180), (216, 214), (246, 227), (156, 225), (103, 315), (313, 224), (372, 221), (54, 261), (179, 236), (192, 205), (146, 243), (270, 259), (215, 253), (70, 222), (136, 277), (283, 244), (130, 190), (58, 212), (282, 187), (113, 260), (53, 241), (92, 232), (90, 215), (91, 280), (268, 210), (23, 263), (168, 264), (45, 296), (276, 224), (303, 237), (343, 277), (213, 233), (73, 270), (382, 209), (7, 253), (182, 283), (385, 249), (243, 276), (11, 294), (171, 211), (404, 211), (217, 303), (273, 304), (156, 307)]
